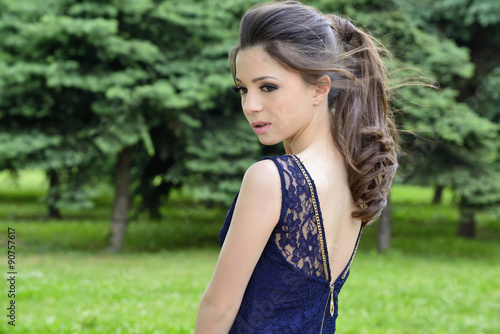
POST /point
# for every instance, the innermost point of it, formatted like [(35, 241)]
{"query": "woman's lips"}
[(260, 127)]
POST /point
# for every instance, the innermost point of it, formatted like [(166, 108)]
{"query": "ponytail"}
[(304, 40), (362, 122)]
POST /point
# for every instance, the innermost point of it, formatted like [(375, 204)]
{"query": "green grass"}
[(159, 293), (100, 293), (412, 294), (430, 282)]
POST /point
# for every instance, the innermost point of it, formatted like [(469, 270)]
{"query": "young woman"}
[(316, 83)]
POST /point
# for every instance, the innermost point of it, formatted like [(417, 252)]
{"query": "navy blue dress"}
[(290, 291)]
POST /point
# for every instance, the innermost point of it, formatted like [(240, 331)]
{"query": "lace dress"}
[(289, 290)]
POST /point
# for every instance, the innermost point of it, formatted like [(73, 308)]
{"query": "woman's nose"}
[(251, 103)]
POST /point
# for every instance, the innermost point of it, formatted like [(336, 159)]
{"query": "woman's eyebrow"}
[(258, 79)]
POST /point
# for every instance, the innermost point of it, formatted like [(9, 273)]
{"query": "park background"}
[(121, 147)]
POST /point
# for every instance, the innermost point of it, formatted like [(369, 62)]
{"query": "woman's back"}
[(334, 196), (291, 289)]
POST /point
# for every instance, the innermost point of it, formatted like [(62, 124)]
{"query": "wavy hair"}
[(306, 41)]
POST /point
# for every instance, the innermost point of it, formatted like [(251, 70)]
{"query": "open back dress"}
[(289, 290)]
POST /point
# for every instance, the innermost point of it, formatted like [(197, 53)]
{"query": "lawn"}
[(430, 281)]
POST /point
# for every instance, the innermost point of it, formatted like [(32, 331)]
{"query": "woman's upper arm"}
[(256, 213)]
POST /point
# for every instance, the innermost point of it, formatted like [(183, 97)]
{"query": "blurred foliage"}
[(80, 81), (475, 25), (454, 130)]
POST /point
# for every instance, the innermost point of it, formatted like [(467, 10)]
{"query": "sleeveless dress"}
[(289, 290)]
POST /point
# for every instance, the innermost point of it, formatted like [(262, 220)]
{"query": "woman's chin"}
[(268, 141)]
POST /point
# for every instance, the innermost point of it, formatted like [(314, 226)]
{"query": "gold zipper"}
[(322, 242), (352, 258), (316, 213), (332, 306), (332, 303)]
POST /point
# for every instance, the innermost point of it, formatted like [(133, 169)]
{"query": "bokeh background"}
[(122, 146)]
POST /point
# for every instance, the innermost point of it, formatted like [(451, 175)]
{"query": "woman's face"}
[(277, 103)]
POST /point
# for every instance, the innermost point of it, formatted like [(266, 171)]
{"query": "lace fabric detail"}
[(288, 292), (297, 236)]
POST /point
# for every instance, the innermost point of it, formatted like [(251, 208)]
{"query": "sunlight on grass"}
[(430, 282), (81, 293), (160, 293), (24, 180)]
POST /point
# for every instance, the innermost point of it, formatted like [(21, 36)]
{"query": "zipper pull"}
[(332, 303)]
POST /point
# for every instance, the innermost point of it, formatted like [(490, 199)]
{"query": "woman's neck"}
[(316, 139)]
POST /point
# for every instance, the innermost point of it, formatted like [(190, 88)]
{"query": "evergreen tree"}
[(98, 87), (455, 136)]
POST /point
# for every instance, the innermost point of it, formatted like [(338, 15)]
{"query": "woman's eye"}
[(239, 89), (268, 88)]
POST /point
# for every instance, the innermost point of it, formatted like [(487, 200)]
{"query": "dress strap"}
[(353, 253), (318, 221)]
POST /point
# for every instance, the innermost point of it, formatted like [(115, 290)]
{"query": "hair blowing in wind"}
[(304, 40)]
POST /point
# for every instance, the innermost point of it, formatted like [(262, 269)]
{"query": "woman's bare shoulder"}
[(262, 176)]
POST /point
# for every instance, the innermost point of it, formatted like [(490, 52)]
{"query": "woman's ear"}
[(322, 89)]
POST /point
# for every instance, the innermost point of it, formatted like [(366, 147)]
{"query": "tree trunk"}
[(467, 227), (54, 195), (122, 199), (438, 194), (384, 229)]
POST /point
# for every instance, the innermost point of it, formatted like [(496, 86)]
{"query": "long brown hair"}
[(306, 41)]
